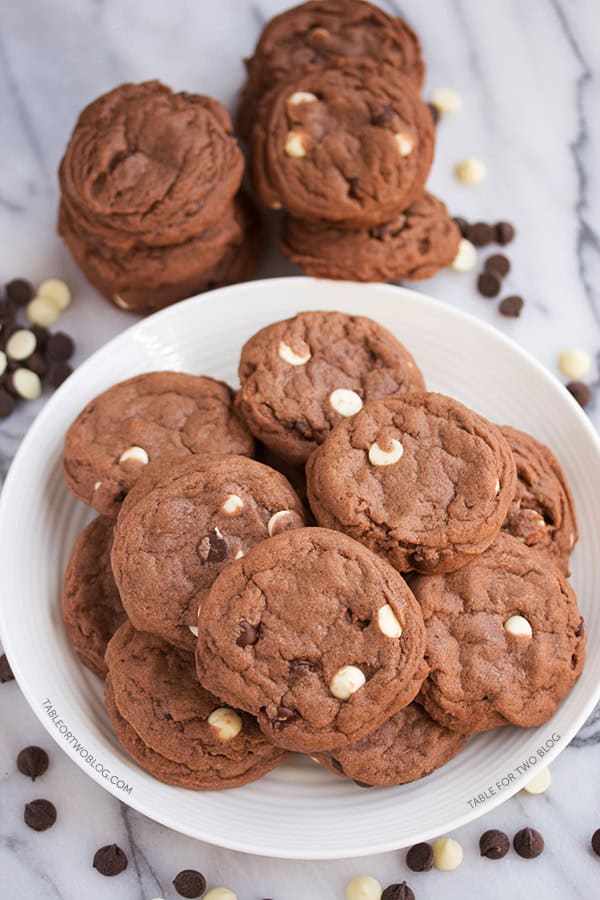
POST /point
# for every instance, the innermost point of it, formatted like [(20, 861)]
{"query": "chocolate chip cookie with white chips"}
[(302, 376), (351, 145), (505, 640), (171, 726), (318, 637), (542, 513), (419, 478), (183, 522), (139, 420)]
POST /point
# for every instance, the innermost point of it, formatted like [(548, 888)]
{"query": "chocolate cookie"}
[(171, 726), (418, 478), (413, 245), (186, 520), (140, 420), (315, 635), (408, 746), (326, 31), (90, 604), (542, 513), (351, 145), (505, 640), (302, 376)]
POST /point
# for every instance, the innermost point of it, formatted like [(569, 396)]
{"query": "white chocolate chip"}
[(26, 384), (220, 893), (346, 682), (380, 457), (466, 257), (404, 143), (276, 204), (290, 356), (518, 626), (118, 301), (388, 622), (574, 363), (273, 525), (446, 100), (194, 630), (21, 344), (238, 554), (497, 487), (97, 485), (232, 505), (471, 171), (363, 887), (539, 783), (571, 541), (42, 311), (299, 97), (134, 454), (345, 402), (3, 362), (226, 722), (56, 290), (447, 854), (294, 144)]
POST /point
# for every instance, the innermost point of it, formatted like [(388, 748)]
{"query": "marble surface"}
[(530, 87)]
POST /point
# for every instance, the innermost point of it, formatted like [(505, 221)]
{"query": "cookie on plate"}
[(413, 245), (542, 513), (186, 520), (407, 747), (321, 32), (505, 640), (351, 145), (315, 635), (90, 604), (171, 726), (302, 376), (419, 478), (141, 419)]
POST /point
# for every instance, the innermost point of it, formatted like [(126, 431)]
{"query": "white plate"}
[(298, 810)]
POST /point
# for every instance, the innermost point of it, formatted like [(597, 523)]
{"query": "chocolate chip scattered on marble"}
[(595, 842), (420, 857), (528, 843), (481, 234), (498, 264), (19, 291), (110, 860), (39, 815), (6, 673), (32, 761), (505, 233), (494, 844), (189, 883), (488, 284), (581, 391), (398, 892), (512, 306)]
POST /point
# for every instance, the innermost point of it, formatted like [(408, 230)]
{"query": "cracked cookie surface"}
[(302, 376), (315, 635), (419, 478), (505, 640)]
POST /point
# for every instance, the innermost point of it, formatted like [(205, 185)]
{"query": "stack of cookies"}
[(149, 206), (342, 141), (429, 601)]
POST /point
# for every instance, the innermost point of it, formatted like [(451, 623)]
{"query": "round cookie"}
[(407, 747), (171, 726), (90, 604), (505, 640), (140, 420), (302, 376), (413, 245), (326, 31), (315, 635), (542, 513), (185, 521), (351, 145), (419, 478)]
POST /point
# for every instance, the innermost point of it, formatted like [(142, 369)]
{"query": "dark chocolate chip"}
[(528, 843), (110, 860), (494, 844), (488, 284), (32, 761), (248, 634), (481, 234), (189, 883), (8, 312), (424, 246), (60, 346), (337, 765), (42, 334), (379, 232), (398, 892), (596, 842), (58, 372), (212, 548), (40, 815), (7, 403), (36, 363), (284, 714), (581, 391), (19, 291), (511, 306), (435, 113), (6, 673), (354, 188), (505, 233), (362, 784), (384, 117), (300, 666), (463, 225), (499, 264), (580, 628), (420, 857)]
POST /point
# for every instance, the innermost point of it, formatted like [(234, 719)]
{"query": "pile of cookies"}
[(408, 591), (342, 141), (149, 204)]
